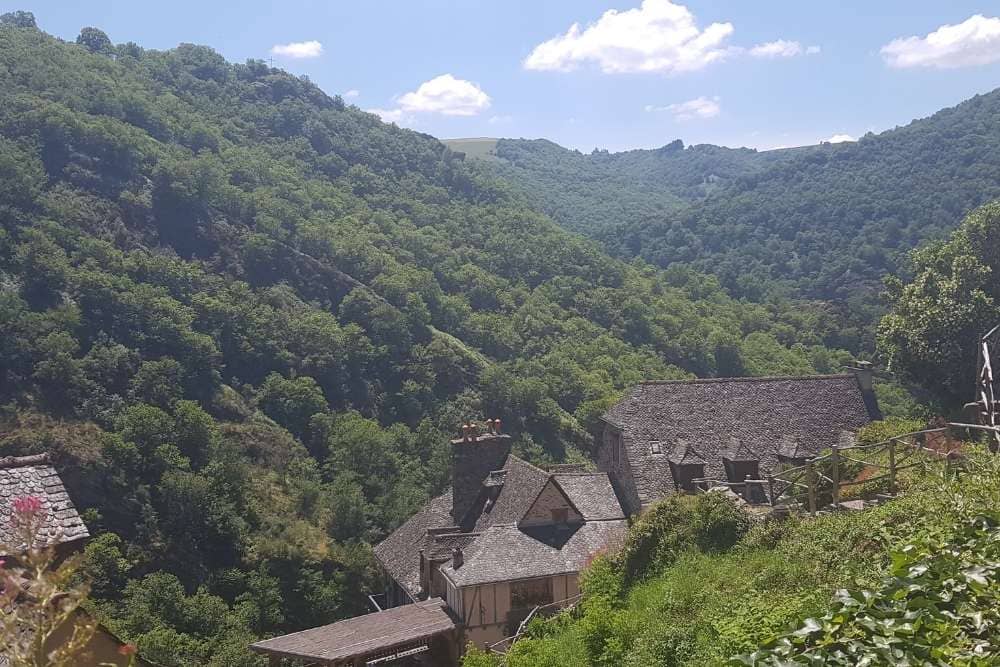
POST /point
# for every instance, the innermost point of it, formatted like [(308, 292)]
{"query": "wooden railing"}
[(822, 474)]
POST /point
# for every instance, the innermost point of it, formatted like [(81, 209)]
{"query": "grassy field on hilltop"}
[(482, 148)]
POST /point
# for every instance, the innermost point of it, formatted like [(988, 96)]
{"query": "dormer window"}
[(740, 462), (686, 466)]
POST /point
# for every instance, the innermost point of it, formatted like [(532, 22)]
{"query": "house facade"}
[(505, 539), (663, 436)]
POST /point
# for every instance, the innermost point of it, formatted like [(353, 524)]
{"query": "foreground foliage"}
[(940, 605)]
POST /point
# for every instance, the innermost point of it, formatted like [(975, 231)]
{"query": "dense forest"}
[(824, 221), (245, 318)]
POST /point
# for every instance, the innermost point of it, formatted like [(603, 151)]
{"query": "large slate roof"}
[(35, 476), (693, 419), (491, 519), (362, 635), (507, 553)]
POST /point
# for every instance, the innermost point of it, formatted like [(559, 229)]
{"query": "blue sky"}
[(761, 73)]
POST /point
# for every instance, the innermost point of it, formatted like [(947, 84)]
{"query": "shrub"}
[(710, 522)]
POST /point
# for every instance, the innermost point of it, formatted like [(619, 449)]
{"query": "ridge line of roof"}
[(42, 459), (530, 465), (761, 378)]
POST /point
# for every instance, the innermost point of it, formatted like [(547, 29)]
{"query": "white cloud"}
[(658, 36), (500, 120), (782, 48), (446, 95), (975, 41), (310, 49), (838, 139), (700, 107), (779, 48), (397, 116), (351, 94)]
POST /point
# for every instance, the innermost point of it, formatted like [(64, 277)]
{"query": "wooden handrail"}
[(911, 443)]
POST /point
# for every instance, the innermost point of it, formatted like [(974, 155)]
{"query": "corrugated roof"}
[(34, 476), (362, 635), (758, 412)]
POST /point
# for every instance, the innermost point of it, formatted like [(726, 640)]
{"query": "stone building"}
[(662, 436), (507, 537)]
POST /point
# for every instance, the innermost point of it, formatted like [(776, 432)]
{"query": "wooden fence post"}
[(892, 467), (835, 475), (811, 482), (770, 488)]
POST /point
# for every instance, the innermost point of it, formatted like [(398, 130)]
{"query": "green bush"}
[(710, 522)]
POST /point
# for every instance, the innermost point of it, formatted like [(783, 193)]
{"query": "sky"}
[(609, 74)]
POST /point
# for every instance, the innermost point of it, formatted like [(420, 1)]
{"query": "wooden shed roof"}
[(362, 635)]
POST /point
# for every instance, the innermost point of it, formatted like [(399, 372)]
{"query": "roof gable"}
[(550, 497)]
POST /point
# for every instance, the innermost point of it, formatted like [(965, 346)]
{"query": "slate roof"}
[(35, 476), (399, 553), (522, 484), (708, 414), (362, 635), (504, 500), (507, 553), (592, 494)]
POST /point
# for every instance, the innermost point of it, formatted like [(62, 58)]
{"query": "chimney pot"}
[(457, 558), (496, 426), (474, 430)]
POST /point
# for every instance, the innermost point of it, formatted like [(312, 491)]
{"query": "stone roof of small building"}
[(362, 635), (708, 414), (508, 553), (591, 494), (499, 505), (35, 476)]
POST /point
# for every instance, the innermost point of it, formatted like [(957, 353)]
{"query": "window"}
[(531, 593), (560, 515), (654, 448)]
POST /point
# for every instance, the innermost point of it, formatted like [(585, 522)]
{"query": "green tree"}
[(931, 334), (95, 41)]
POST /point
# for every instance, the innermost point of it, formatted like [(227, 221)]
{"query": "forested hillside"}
[(245, 318), (823, 222)]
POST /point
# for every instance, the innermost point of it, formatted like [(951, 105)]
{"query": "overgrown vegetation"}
[(909, 582), (245, 318)]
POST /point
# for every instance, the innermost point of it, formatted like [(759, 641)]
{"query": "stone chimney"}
[(865, 374), (473, 457), (457, 558)]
